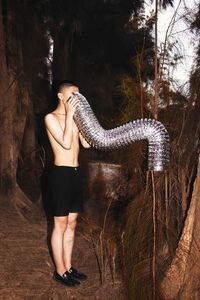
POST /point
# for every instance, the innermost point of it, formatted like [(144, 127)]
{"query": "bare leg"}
[(60, 226), (69, 239)]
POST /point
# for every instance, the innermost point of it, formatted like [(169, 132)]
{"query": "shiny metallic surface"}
[(143, 129)]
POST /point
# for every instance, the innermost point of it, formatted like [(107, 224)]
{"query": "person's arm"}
[(63, 137), (84, 143)]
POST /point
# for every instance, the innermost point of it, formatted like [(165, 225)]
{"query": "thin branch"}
[(155, 102), (154, 235), (168, 33)]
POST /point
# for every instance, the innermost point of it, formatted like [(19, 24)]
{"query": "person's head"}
[(65, 89)]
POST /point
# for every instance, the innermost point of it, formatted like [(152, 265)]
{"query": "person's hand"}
[(70, 105)]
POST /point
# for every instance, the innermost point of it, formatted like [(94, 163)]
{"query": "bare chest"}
[(74, 128)]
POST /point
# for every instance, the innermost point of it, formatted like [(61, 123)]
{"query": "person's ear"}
[(60, 96)]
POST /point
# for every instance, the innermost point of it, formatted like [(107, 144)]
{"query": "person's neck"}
[(61, 110), (60, 113)]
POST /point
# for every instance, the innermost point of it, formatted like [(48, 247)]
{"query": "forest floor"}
[(26, 266)]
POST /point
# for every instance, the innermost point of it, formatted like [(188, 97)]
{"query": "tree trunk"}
[(13, 107), (61, 57), (181, 281)]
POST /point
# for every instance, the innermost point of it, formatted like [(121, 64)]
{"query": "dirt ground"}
[(26, 266)]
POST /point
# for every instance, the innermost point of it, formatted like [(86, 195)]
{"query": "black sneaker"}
[(77, 275), (66, 279)]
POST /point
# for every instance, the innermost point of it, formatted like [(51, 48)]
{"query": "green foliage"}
[(135, 98), (95, 43)]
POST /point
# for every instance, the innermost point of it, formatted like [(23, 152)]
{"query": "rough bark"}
[(62, 56), (13, 109), (181, 281)]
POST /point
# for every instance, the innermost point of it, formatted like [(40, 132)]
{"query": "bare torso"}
[(62, 156), (62, 131)]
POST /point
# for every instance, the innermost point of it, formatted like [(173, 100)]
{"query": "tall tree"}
[(14, 99), (195, 74), (181, 280), (25, 84), (36, 68), (95, 43)]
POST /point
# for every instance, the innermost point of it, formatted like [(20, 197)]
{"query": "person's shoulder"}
[(49, 117)]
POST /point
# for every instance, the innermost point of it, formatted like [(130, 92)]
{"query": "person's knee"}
[(72, 224), (60, 223)]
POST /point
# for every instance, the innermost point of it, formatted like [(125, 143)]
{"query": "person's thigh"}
[(76, 205), (60, 191)]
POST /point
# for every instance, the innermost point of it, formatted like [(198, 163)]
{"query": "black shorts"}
[(65, 190)]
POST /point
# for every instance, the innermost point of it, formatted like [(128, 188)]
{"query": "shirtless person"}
[(64, 183)]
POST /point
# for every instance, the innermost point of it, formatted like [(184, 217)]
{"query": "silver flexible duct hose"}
[(143, 129)]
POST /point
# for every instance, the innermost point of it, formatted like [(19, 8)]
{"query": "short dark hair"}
[(64, 84)]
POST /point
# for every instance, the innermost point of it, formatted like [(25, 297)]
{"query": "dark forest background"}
[(108, 49)]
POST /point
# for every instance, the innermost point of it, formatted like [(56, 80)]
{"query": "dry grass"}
[(26, 265)]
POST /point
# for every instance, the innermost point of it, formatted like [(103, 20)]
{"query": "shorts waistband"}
[(66, 167)]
